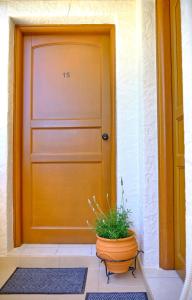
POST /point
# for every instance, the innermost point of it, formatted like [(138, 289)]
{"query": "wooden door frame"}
[(165, 134), (20, 32)]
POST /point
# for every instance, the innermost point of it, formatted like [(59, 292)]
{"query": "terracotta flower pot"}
[(120, 249)]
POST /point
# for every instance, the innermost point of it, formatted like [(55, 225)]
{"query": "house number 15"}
[(66, 75)]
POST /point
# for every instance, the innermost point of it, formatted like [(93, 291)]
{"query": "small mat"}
[(46, 281), (116, 296)]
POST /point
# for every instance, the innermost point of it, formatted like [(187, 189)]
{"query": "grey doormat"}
[(116, 296), (46, 281)]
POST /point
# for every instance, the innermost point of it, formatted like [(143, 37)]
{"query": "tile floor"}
[(164, 285), (67, 256)]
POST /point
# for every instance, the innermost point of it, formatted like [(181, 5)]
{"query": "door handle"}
[(105, 136)]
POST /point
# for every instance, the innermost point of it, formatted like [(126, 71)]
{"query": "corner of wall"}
[(149, 210), (4, 59)]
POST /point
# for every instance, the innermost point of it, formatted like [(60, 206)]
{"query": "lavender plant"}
[(115, 223)]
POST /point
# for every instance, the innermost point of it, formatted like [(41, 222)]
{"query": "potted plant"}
[(116, 243)]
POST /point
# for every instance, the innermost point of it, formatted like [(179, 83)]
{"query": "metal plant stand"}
[(131, 268)]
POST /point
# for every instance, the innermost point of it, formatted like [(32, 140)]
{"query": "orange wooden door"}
[(178, 138), (66, 108)]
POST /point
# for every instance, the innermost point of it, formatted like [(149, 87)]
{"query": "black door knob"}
[(105, 136)]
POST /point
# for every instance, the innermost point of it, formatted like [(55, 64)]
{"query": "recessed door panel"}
[(71, 140), (73, 73), (53, 183)]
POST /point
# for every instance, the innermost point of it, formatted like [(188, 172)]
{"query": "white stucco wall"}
[(147, 139), (135, 102), (5, 118)]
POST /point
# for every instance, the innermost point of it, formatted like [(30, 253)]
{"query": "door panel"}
[(66, 186), (66, 108), (71, 140), (75, 78), (178, 138)]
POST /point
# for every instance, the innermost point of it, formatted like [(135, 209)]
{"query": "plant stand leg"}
[(108, 274), (132, 268)]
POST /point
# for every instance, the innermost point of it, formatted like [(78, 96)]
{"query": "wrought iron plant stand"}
[(131, 268)]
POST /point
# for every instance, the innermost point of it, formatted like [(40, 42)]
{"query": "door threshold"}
[(53, 250)]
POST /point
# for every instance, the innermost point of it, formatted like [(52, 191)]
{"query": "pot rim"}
[(115, 240)]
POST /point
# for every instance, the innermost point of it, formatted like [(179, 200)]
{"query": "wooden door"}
[(178, 138), (66, 108)]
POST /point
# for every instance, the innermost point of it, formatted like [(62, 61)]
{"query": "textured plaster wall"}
[(3, 127), (135, 102), (147, 139)]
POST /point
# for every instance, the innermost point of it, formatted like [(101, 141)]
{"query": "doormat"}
[(46, 281), (116, 296)]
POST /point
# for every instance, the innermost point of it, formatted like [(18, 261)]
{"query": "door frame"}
[(20, 32), (165, 135)]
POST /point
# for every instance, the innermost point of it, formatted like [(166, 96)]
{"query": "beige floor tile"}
[(39, 251), (39, 262), (83, 250), (112, 288), (171, 290), (40, 246), (42, 297), (93, 250), (63, 256), (52, 249), (78, 261), (75, 246), (121, 282), (16, 251), (7, 261), (34, 250), (66, 297), (151, 272), (23, 297), (92, 283), (5, 273)]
